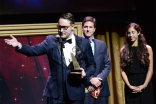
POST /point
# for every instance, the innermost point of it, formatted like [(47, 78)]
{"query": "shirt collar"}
[(92, 40), (73, 37)]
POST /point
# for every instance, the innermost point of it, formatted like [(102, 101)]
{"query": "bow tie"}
[(67, 41)]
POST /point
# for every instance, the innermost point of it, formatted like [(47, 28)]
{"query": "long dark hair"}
[(142, 52)]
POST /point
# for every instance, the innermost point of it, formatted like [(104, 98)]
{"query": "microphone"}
[(59, 38), (63, 74)]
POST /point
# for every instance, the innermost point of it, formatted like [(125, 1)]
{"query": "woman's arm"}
[(150, 69), (124, 76), (125, 79)]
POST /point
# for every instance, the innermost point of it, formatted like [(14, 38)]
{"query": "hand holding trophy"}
[(79, 72)]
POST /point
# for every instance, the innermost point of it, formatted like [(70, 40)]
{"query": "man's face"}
[(88, 29), (65, 28)]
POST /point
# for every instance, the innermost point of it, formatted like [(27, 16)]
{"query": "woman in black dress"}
[(136, 64)]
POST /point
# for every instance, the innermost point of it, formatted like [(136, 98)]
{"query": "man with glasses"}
[(98, 90), (63, 87)]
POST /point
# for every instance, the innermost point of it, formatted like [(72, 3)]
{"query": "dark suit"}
[(75, 88), (103, 65)]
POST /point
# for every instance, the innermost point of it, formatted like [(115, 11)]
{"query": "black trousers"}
[(59, 100), (99, 100)]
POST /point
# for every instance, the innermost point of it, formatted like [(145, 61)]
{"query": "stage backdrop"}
[(22, 78), (61, 6)]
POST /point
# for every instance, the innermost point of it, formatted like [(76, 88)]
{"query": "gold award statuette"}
[(76, 69)]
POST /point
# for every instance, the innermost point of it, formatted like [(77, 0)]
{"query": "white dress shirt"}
[(69, 48)]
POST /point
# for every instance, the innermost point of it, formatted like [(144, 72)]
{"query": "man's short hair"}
[(69, 17), (89, 18)]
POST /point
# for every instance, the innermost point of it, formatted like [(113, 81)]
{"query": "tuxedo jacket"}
[(51, 47), (103, 66)]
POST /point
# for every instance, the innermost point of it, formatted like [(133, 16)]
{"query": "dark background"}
[(109, 14)]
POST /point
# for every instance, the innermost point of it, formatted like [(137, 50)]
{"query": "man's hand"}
[(13, 42), (83, 75), (91, 88), (96, 81)]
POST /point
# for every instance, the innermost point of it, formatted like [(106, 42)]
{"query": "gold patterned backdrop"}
[(35, 29)]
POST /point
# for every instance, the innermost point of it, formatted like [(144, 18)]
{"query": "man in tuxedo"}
[(63, 87), (98, 82)]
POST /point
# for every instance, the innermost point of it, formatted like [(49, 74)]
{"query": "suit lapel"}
[(59, 48), (95, 49), (79, 49)]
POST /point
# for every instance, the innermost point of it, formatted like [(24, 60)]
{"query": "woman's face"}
[(132, 35)]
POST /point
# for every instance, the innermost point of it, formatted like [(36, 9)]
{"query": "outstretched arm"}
[(34, 50), (13, 42)]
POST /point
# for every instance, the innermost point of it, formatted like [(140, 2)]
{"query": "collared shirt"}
[(92, 43), (69, 48)]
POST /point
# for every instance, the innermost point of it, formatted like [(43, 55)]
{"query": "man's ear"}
[(94, 29), (73, 26)]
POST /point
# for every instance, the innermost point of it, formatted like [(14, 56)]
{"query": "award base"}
[(76, 72)]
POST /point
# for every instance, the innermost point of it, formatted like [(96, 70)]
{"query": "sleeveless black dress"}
[(136, 76)]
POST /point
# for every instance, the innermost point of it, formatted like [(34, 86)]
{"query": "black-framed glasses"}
[(64, 27)]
